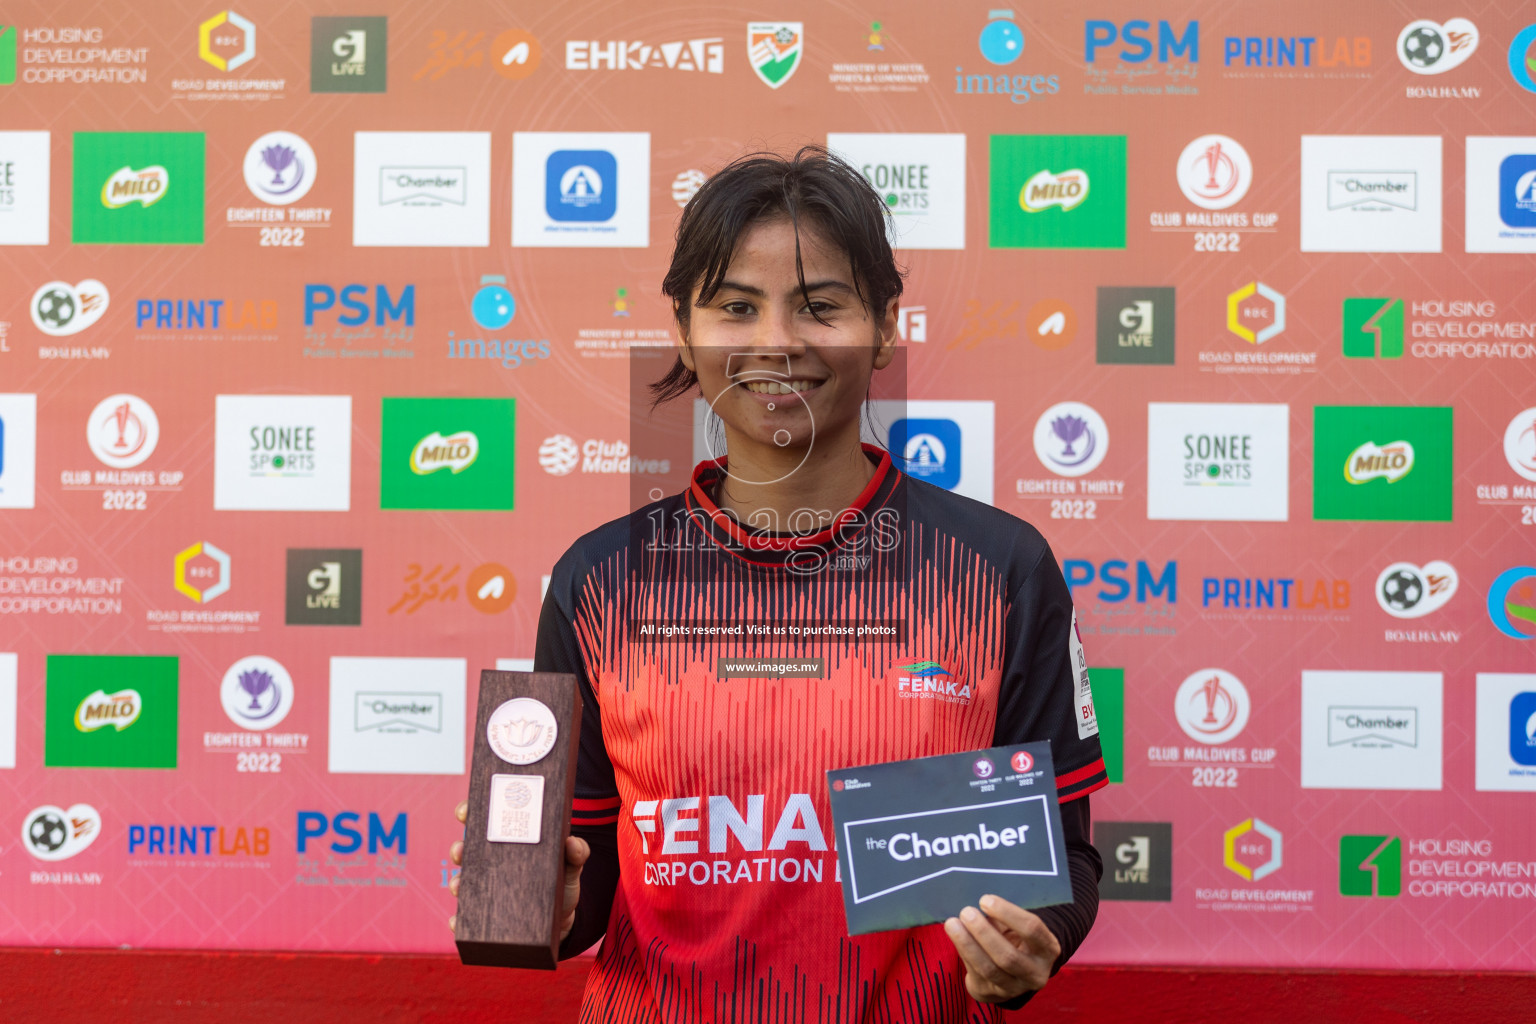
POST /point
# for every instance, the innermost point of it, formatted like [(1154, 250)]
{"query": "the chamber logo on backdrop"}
[(1139, 49), (138, 188), (18, 451), (348, 54), (1001, 43), (421, 189), (1371, 730), (921, 178), (324, 587), (1428, 47), (448, 453), (1135, 325), (139, 713), (397, 716), (1138, 860), (1218, 461), (1506, 732), (1370, 193), (774, 50), (60, 309), (282, 453), (706, 55), (581, 189), (1382, 463), (513, 54), (24, 177), (1057, 192), (493, 308), (1501, 194), (58, 833)]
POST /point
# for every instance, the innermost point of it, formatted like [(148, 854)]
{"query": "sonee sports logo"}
[(1370, 866)]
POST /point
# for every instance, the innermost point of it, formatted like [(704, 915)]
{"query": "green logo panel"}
[(110, 711), (1363, 470), (448, 453), (1057, 192), (348, 54), (1108, 686), (7, 54), (1370, 866), (138, 188), (1373, 327)]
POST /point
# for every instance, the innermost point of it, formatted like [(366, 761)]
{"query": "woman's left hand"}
[(1007, 950)]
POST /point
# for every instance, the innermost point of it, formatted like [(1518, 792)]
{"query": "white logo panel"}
[(1506, 732), (283, 453), (7, 710), (1218, 462), (18, 451), (920, 177), (421, 189), (1371, 730), (23, 186), (581, 189), (397, 716), (1370, 193), (1501, 193)]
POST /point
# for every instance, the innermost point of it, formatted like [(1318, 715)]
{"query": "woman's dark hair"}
[(813, 186)]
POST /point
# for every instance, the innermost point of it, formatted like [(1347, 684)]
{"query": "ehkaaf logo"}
[(928, 680), (315, 825), (325, 587), (706, 55), (58, 833)]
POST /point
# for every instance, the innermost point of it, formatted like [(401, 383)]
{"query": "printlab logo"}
[(1370, 866), (280, 168), (257, 692), (24, 176), (1212, 706), (202, 572), (1429, 48), (60, 309), (123, 431), (1138, 860), (581, 189), (1136, 325), (1071, 439), (1522, 58), (1512, 602), (921, 178), (774, 49), (1255, 312), (1214, 172), (1408, 591), (58, 833), (1388, 463), (348, 54), (324, 587), (1373, 328), (397, 716), (1253, 849), (132, 726), (1057, 192), (1501, 193), (1371, 730), (226, 41), (138, 187), (18, 461), (1370, 193), (421, 188), (448, 453)]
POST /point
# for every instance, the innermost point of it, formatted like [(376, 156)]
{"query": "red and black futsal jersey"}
[(701, 780)]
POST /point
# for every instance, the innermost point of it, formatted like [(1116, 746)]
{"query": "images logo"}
[(930, 450), (1255, 320), (1212, 706), (1359, 478), (188, 575), (138, 188), (1429, 48), (348, 54), (1041, 196), (1520, 443), (478, 453), (1136, 325), (1370, 866), (1512, 602), (493, 307), (1071, 439), (54, 833), (1214, 172), (78, 707), (1373, 327), (1522, 58), (1002, 43), (774, 49), (1248, 841), (280, 168), (60, 309), (1408, 591), (123, 431), (324, 587), (100, 709), (257, 692), (225, 32), (581, 185)]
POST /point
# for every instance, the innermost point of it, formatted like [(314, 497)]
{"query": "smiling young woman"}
[(701, 828)]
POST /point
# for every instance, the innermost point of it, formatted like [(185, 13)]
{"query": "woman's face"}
[(773, 373)]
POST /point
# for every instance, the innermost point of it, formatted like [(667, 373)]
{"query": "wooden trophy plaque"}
[(521, 775)]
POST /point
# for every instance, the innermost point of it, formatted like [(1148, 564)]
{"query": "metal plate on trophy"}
[(521, 777)]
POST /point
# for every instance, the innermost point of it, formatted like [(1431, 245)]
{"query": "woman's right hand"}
[(576, 853)]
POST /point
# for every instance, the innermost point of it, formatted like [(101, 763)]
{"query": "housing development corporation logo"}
[(774, 49), (1057, 192), (138, 187), (348, 54), (1372, 328), (135, 695), (1370, 866)]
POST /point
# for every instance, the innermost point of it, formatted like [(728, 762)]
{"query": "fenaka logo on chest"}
[(929, 680)]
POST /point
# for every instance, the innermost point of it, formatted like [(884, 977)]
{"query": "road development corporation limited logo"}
[(257, 692), (774, 49), (1371, 730), (1256, 312), (138, 188), (106, 711), (1253, 849), (397, 716), (59, 833), (202, 572), (1430, 48)]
